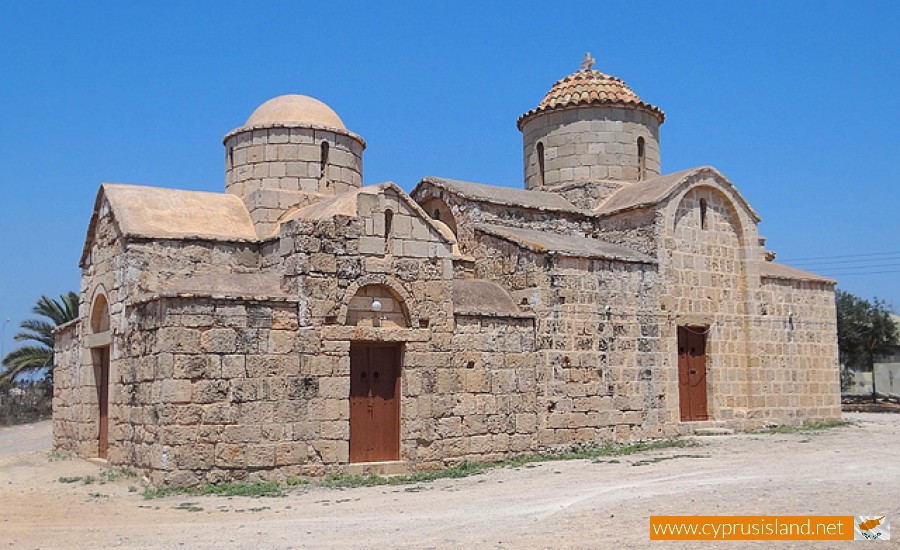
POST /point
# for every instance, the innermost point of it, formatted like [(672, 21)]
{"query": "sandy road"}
[(575, 504)]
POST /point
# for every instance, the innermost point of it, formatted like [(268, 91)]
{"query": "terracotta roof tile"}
[(590, 87)]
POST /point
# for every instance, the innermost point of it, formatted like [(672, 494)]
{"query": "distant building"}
[(303, 323)]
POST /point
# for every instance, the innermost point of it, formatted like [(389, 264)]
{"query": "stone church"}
[(301, 323)]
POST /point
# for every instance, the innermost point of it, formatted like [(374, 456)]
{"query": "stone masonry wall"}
[(636, 229), (704, 267), (74, 390), (590, 144), (76, 399), (467, 214), (274, 169), (213, 390), (795, 376), (600, 373)]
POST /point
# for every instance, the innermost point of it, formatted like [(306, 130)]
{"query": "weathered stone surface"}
[(526, 319)]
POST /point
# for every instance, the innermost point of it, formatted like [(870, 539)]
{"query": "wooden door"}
[(374, 402), (103, 401), (692, 373)]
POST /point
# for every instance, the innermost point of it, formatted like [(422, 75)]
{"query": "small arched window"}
[(702, 213), (230, 157), (642, 158), (323, 158), (388, 227), (540, 159), (388, 222)]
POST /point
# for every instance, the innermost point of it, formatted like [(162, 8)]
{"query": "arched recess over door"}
[(377, 305), (100, 314)]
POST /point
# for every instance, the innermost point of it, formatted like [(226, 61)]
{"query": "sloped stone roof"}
[(484, 298), (589, 87), (505, 196), (564, 245), (648, 193), (771, 270), (644, 193), (157, 212), (172, 213)]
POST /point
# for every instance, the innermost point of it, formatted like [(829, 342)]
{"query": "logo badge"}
[(871, 528)]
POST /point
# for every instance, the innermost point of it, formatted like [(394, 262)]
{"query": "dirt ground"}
[(851, 470)]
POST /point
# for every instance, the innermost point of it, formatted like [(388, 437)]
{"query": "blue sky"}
[(793, 101)]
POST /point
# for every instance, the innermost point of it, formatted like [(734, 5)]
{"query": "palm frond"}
[(59, 311), (39, 357), (36, 330), (25, 359)]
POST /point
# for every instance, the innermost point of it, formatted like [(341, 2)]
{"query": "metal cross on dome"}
[(588, 61)]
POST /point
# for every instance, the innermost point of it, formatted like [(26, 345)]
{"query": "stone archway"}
[(100, 341), (397, 304)]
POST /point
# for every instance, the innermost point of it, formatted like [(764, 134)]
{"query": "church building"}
[(301, 323)]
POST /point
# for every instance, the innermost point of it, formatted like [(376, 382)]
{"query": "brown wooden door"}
[(103, 401), (692, 373), (374, 402)]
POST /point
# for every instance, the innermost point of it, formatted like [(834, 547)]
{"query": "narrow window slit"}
[(702, 213), (323, 159), (642, 158), (540, 154)]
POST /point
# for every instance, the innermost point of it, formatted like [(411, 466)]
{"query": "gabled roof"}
[(345, 204), (482, 297), (504, 196), (564, 245), (649, 193), (157, 212), (771, 270)]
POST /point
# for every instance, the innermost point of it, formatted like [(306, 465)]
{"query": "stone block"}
[(281, 341), (210, 391), (334, 388), (371, 245), (177, 339), (176, 391), (219, 340), (260, 456), (196, 366), (196, 456), (290, 453)]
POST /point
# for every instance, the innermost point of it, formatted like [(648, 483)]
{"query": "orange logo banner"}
[(751, 527)]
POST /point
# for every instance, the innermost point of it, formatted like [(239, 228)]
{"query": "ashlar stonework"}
[(303, 324)]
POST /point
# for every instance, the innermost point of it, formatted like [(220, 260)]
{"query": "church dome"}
[(588, 87), (295, 109)]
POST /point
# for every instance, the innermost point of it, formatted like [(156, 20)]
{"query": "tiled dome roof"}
[(590, 87)]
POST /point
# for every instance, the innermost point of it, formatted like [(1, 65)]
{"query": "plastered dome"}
[(295, 109)]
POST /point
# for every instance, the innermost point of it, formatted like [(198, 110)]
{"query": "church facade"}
[(302, 323)]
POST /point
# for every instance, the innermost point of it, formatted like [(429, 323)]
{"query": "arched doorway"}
[(375, 369), (100, 341)]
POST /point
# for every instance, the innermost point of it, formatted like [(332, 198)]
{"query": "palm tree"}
[(39, 356)]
